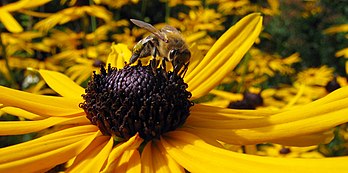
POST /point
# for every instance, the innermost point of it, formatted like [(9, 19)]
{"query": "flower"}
[(72, 13), (316, 76), (193, 146), (9, 21)]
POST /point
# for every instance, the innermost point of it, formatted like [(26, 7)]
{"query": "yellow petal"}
[(154, 159), (23, 4), (224, 55), (62, 84), (146, 159), (268, 129), (24, 127), (93, 157), (45, 152), (21, 113), (196, 58), (132, 143), (129, 162), (217, 113), (307, 140), (162, 156), (227, 95), (119, 55), (197, 156), (39, 104), (10, 22)]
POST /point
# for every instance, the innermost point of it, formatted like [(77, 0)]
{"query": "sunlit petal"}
[(62, 84), (21, 113), (163, 156), (274, 128), (47, 151), (197, 156), (119, 55), (128, 162), (224, 55), (117, 151), (24, 127), (39, 104), (93, 157)]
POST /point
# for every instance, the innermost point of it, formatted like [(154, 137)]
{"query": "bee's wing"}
[(169, 28), (150, 28)]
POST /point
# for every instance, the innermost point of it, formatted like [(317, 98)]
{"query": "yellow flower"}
[(190, 3), (315, 76), (335, 29), (192, 147), (9, 21), (116, 4), (242, 7), (73, 13)]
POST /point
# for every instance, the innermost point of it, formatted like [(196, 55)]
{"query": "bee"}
[(166, 43)]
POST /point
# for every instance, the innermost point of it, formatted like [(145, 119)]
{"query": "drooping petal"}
[(93, 157), (132, 143), (62, 84), (197, 156), (24, 127), (224, 55), (39, 104), (47, 151)]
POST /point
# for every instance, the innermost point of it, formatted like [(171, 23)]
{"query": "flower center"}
[(135, 99)]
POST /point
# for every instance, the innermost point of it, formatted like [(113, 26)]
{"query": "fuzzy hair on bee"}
[(164, 45)]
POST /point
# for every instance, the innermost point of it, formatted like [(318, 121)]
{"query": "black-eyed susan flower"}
[(316, 76), (9, 21), (71, 14), (104, 136)]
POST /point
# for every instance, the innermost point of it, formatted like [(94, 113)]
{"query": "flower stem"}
[(85, 24), (93, 19), (143, 8), (167, 12)]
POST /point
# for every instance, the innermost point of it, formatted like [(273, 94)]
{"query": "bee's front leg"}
[(154, 62), (183, 72)]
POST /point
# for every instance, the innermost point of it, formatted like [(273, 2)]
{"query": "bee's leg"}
[(154, 62), (176, 67), (134, 58), (164, 67), (183, 72)]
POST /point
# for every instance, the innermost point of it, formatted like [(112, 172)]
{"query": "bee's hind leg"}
[(164, 67)]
